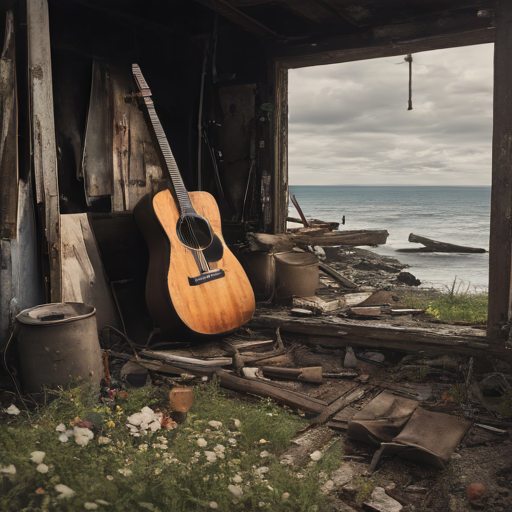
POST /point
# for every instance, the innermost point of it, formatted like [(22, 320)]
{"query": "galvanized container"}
[(58, 343), (297, 274)]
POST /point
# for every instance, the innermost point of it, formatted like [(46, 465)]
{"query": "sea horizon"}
[(458, 214)]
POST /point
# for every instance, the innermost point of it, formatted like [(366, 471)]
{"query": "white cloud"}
[(349, 122)]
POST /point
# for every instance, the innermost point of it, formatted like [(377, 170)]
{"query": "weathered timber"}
[(269, 243), (326, 269), (500, 251), (175, 359), (355, 237), (43, 136), (388, 40), (343, 333), (311, 374), (299, 211), (314, 223), (8, 134), (435, 246), (266, 390)]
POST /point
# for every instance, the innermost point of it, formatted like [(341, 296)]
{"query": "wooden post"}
[(43, 136), (500, 256)]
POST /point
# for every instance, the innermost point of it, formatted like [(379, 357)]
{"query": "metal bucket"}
[(297, 274), (58, 343)]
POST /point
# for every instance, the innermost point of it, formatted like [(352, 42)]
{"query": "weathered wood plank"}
[(326, 269), (353, 237), (83, 276), (500, 254), (43, 135), (8, 134), (97, 154)]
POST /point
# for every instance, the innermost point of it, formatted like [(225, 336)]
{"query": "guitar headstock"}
[(141, 82)]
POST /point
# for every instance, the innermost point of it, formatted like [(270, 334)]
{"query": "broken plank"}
[(311, 374), (326, 269), (170, 357), (339, 333)]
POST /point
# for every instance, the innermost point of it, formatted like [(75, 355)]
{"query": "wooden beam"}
[(500, 255), (458, 29), (8, 134), (235, 15), (43, 136)]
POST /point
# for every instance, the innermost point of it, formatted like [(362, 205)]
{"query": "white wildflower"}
[(90, 506), (210, 456), (213, 504), (37, 457), (264, 454), (236, 490), (63, 438), (104, 440), (158, 471), (65, 491), (12, 409), (60, 427), (83, 436), (162, 439), (125, 471), (143, 447), (42, 468), (8, 470), (316, 455), (202, 442), (215, 424), (219, 451)]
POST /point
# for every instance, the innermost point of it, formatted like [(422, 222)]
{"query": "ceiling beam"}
[(451, 30), (236, 16)]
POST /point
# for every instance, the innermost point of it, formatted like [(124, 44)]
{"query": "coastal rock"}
[(408, 279)]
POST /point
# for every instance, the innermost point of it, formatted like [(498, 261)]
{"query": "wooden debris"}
[(435, 246), (299, 211), (169, 356), (311, 374), (491, 429), (267, 390), (302, 312), (270, 243), (355, 237), (316, 304), (326, 269), (354, 299), (314, 223)]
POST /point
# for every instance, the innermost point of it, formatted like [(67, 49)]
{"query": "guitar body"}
[(177, 304)]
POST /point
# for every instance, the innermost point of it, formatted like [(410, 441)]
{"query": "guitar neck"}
[(185, 205)]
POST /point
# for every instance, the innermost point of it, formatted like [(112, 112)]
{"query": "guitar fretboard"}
[(181, 192)]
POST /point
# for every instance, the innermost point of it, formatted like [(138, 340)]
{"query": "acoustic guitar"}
[(194, 285)]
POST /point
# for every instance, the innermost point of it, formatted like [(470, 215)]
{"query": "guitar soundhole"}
[(194, 231)]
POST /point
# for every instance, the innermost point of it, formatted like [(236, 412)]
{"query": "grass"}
[(454, 304), (168, 470)]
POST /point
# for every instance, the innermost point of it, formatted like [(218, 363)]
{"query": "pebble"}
[(235, 490), (65, 491), (215, 424), (476, 492), (37, 457), (12, 409), (316, 455), (42, 468)]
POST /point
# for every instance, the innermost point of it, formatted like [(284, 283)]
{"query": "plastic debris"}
[(37, 457), (65, 491)]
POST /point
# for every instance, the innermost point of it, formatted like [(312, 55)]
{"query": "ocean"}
[(459, 215)]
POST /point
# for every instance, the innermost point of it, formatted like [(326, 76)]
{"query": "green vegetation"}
[(455, 304), (193, 467)]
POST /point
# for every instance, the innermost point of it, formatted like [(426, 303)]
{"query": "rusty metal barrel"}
[(57, 345)]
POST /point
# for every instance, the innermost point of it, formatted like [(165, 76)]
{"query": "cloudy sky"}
[(349, 123)]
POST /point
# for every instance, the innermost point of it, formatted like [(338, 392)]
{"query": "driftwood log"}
[(435, 246), (355, 237), (346, 283), (314, 223)]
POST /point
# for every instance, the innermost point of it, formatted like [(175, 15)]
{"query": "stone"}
[(382, 502), (476, 492)]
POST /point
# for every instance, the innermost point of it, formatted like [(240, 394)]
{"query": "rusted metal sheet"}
[(136, 165), (97, 154), (43, 136), (8, 135)]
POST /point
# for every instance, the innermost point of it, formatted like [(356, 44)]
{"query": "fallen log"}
[(435, 246), (310, 374), (356, 237)]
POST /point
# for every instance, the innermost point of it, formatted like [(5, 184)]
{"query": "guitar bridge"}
[(210, 275)]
